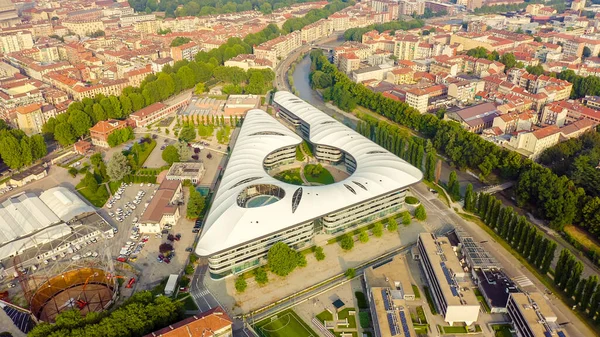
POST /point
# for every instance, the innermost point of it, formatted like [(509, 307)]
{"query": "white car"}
[(88, 254), (75, 257), (94, 254), (142, 185)]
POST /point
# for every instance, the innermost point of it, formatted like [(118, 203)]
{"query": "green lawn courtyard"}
[(290, 176), (285, 324), (323, 177)]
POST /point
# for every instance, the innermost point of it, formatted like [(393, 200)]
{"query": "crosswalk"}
[(523, 281), (201, 293)]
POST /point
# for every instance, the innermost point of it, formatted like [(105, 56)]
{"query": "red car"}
[(122, 259), (167, 260), (130, 283)]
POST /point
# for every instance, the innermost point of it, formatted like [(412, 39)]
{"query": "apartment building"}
[(249, 61), (211, 323), (100, 132), (30, 118), (16, 41), (348, 62), (418, 97), (278, 48), (532, 316), (532, 144), (83, 27), (447, 280), (186, 51), (411, 7), (316, 31)]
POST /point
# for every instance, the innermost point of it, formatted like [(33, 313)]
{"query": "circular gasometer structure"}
[(72, 272)]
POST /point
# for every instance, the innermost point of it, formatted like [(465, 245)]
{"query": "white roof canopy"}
[(227, 225)]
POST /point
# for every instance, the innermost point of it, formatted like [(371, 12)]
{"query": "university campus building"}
[(252, 210)]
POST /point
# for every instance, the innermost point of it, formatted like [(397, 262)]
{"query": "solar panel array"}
[(547, 334), (561, 334), (404, 324), (22, 320), (386, 300), (479, 257), (393, 327), (449, 279)]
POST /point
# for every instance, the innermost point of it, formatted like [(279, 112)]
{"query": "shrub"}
[(260, 276), (347, 242), (364, 319), (361, 300), (363, 236), (193, 258), (411, 200), (189, 269), (73, 172), (184, 281), (350, 273), (378, 229), (392, 225), (420, 213), (240, 284), (406, 218), (319, 255)]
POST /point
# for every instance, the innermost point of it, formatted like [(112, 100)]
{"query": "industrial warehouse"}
[(252, 210), (41, 228)]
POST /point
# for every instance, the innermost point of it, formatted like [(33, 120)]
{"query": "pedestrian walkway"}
[(523, 281)]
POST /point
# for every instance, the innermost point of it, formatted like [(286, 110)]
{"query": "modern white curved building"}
[(252, 210)]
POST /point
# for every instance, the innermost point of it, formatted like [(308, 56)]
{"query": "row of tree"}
[(355, 34), (141, 314), (585, 292), (582, 85), (314, 15), (176, 8), (80, 116), (19, 150), (549, 196), (516, 231)]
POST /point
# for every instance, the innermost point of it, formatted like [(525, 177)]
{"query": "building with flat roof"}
[(447, 280), (532, 316), (154, 113), (252, 210), (186, 171), (238, 105), (29, 222), (33, 173), (388, 288), (495, 287), (163, 208)]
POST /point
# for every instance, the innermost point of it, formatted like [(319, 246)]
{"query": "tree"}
[(588, 292), (509, 61), (347, 242), (469, 198), (282, 260), (420, 213), (200, 88), (187, 133), (80, 121), (363, 236), (118, 167), (178, 41), (350, 273), (574, 278), (319, 254), (406, 218), (64, 134), (535, 70), (260, 276), (170, 155), (183, 150), (165, 248), (240, 284), (587, 52), (195, 204), (378, 229), (454, 186)]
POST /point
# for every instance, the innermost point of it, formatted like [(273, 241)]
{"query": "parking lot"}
[(142, 250)]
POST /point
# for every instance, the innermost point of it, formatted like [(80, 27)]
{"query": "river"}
[(305, 92)]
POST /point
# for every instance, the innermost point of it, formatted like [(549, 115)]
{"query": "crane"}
[(82, 303)]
